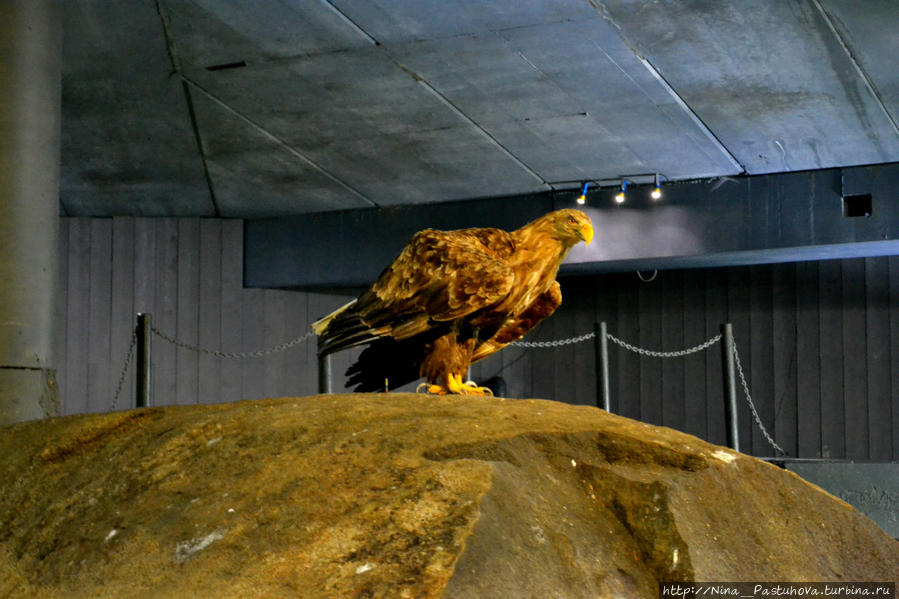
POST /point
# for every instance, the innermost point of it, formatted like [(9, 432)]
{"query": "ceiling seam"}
[(691, 114), (283, 144), (869, 84), (353, 25), (199, 139), (191, 111), (456, 110)]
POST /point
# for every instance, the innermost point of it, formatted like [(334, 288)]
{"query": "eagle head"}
[(571, 226)]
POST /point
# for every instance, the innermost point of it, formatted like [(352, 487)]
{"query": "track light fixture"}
[(582, 199), (656, 193), (619, 197)]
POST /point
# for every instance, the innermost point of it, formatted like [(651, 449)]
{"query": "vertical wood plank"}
[(855, 381), (784, 337), (761, 357), (274, 333), (694, 372), (626, 399), (650, 336), (61, 315), (716, 294), (253, 338), (77, 336), (738, 314), (209, 368), (231, 302), (894, 350), (808, 362), (144, 282), (674, 412), (830, 323), (123, 321), (564, 387), (584, 306), (188, 311), (165, 318), (878, 365), (99, 315)]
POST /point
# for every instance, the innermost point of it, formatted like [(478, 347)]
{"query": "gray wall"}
[(819, 340)]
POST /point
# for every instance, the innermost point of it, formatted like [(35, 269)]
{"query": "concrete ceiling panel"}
[(364, 117), (773, 83), (254, 175), (128, 146), (392, 21), (209, 33)]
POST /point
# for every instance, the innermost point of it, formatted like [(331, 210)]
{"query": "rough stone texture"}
[(403, 496)]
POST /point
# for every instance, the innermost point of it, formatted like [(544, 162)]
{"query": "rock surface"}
[(404, 496)]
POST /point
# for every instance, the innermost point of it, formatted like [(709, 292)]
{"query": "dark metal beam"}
[(720, 222)]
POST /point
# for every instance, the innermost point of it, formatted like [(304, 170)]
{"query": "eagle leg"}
[(455, 386)]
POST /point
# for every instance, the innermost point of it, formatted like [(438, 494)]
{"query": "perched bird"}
[(452, 298)]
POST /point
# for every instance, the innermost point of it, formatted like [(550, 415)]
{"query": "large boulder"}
[(401, 495)]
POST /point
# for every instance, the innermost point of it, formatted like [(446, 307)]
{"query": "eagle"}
[(451, 298)]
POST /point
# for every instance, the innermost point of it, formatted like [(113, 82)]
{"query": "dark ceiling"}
[(283, 107)]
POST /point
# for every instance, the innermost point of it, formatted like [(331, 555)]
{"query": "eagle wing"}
[(515, 328), (438, 277)]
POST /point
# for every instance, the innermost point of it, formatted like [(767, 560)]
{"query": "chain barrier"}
[(544, 344), (223, 354), (121, 383), (667, 354), (755, 414)]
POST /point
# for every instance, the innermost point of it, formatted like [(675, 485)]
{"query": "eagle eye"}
[(571, 220)]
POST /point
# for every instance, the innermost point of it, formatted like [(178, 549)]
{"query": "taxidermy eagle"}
[(452, 298)]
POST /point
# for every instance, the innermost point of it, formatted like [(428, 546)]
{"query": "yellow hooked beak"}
[(586, 231)]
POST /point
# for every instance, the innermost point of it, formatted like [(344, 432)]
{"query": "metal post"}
[(730, 386), (144, 333), (601, 353), (324, 373)]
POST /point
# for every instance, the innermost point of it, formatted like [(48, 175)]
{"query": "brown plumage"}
[(452, 298)]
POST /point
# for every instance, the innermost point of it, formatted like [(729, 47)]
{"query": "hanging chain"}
[(128, 358), (223, 354), (560, 342), (755, 414), (666, 354)]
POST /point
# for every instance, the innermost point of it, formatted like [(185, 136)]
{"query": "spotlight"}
[(619, 197), (656, 193), (582, 199)]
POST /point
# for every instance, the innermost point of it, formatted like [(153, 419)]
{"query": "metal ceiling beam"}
[(744, 220)]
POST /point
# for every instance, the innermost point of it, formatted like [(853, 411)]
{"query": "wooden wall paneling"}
[(231, 309), (188, 312), (564, 371), (808, 362), (650, 337), (99, 315), (252, 339), (877, 365), (894, 350), (716, 294), (122, 314), (209, 367), (584, 356), (830, 323), (695, 397), (144, 295), (294, 324), (855, 380), (62, 307), (275, 333), (165, 317), (784, 424), (672, 322), (320, 305), (761, 359), (542, 367), (738, 314), (624, 364), (78, 333)]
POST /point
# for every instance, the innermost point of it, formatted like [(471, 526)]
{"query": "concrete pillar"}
[(30, 97)]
